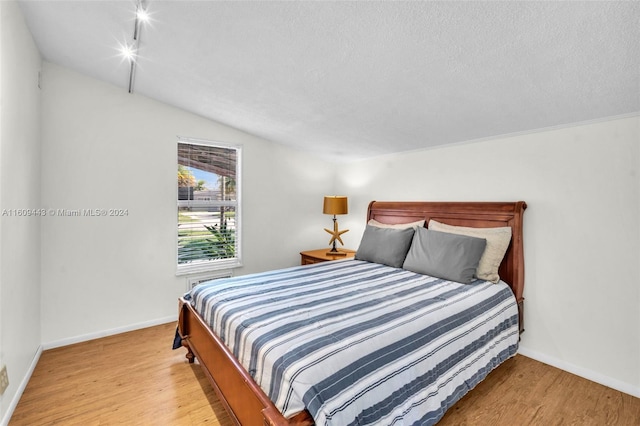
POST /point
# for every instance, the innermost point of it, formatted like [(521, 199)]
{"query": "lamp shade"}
[(335, 204)]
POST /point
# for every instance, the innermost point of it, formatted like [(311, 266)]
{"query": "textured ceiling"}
[(351, 80)]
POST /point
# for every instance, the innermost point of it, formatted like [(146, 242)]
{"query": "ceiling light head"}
[(142, 15), (128, 52)]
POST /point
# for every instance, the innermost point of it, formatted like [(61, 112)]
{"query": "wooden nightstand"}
[(316, 256)]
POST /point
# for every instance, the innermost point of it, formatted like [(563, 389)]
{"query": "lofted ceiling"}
[(351, 80)]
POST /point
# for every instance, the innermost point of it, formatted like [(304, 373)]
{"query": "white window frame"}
[(199, 267)]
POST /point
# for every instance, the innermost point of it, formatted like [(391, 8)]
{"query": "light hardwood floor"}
[(136, 379)]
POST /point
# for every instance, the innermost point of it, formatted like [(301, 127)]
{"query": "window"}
[(208, 206)]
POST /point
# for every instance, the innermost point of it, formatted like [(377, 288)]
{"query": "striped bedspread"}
[(358, 343)]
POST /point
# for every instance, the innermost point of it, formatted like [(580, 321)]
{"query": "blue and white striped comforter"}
[(359, 343)]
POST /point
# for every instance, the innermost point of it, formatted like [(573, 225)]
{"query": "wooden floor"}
[(136, 379)]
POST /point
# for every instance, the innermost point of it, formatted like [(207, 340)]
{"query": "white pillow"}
[(414, 225), (497, 243)]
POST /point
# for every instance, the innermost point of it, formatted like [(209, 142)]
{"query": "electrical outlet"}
[(4, 379)]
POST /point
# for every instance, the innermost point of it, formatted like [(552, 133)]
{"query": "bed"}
[(235, 357)]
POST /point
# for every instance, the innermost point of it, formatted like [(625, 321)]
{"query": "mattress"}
[(359, 343)]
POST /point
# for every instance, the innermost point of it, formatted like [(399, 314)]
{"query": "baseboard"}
[(21, 388), (105, 333), (582, 372)]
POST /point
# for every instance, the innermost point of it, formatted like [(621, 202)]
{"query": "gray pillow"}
[(444, 255), (385, 245)]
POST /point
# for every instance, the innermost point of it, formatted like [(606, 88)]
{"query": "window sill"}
[(202, 267)]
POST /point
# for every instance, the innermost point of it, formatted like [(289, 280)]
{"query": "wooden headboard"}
[(472, 214)]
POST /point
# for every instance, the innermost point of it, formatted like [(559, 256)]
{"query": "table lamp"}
[(335, 205)]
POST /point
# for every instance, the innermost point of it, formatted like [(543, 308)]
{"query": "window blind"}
[(208, 205)]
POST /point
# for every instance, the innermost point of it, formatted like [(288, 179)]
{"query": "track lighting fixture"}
[(130, 52)]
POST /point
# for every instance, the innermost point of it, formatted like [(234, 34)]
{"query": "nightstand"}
[(316, 256)]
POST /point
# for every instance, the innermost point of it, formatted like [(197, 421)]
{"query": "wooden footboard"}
[(245, 401)]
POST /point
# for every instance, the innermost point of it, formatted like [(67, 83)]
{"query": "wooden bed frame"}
[(245, 401)]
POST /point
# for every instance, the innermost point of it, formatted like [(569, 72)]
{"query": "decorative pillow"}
[(443, 255), (384, 245), (414, 225), (498, 240)]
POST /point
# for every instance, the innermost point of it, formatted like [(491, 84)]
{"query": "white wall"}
[(19, 189), (106, 148), (582, 234)]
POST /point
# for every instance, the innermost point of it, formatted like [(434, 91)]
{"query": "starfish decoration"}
[(335, 234)]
